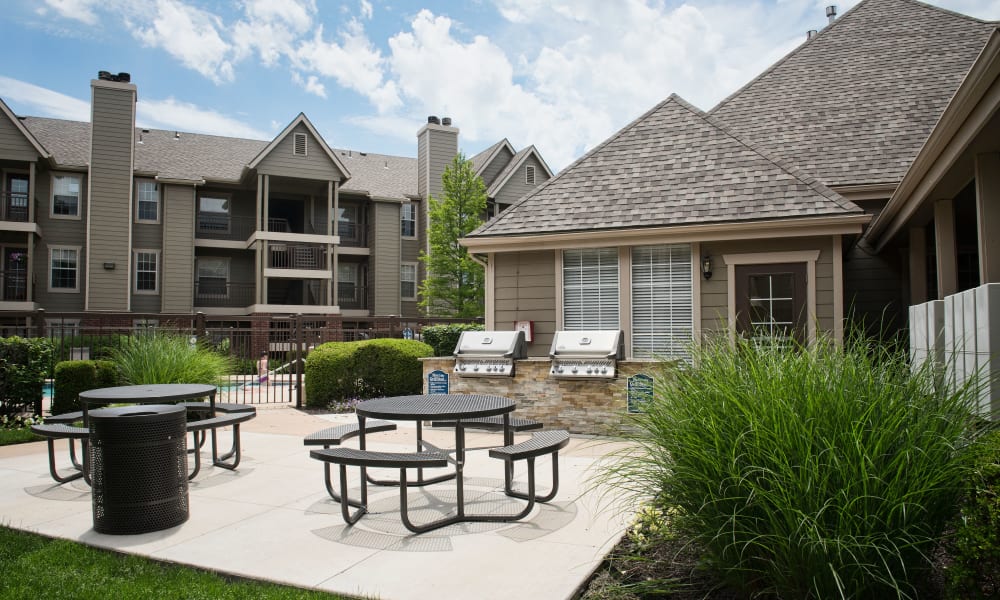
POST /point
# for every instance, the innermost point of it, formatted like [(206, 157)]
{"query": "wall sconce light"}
[(706, 266), (109, 266)]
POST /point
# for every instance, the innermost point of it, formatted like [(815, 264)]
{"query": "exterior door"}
[(771, 301), (15, 274), (16, 198)]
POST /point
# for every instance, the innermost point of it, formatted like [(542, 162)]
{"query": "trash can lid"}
[(138, 413)]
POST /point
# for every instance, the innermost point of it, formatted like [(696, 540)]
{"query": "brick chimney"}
[(109, 197)]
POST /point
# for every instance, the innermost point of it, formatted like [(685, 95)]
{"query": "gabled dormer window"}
[(299, 148), (529, 175)]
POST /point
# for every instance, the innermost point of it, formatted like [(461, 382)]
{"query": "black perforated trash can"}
[(138, 462)]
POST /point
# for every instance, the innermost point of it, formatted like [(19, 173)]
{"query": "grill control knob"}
[(575, 369), (560, 369), (604, 370), (589, 370), (476, 368), (463, 367)]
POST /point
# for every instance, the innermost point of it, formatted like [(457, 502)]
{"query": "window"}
[(62, 328), (147, 201), (145, 326), (63, 269), (213, 214), (408, 219), (408, 281), (213, 277), (146, 262), (590, 289), (299, 146), (662, 301), (529, 175), (770, 301), (66, 196), (16, 208)]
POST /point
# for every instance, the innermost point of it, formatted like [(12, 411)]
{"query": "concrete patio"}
[(272, 519)]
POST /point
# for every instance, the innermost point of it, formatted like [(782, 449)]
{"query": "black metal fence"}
[(287, 341)]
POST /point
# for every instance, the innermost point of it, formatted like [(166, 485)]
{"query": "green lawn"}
[(32, 566), (16, 436)]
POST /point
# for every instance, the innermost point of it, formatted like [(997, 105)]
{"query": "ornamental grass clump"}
[(168, 358), (819, 472)]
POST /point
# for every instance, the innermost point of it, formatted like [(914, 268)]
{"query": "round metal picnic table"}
[(430, 407), (162, 393)]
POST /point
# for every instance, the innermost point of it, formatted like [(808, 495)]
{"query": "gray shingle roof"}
[(672, 166), (216, 158), (854, 104)]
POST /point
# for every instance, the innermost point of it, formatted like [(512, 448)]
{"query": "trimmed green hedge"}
[(75, 376), (975, 548), (444, 338), (337, 371), (24, 364)]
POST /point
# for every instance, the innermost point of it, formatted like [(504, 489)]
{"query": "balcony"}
[(353, 235), (297, 256), (14, 286), (352, 297), (14, 207), (212, 226), (210, 292)]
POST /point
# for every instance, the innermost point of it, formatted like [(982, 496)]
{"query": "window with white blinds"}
[(662, 314), (590, 289)]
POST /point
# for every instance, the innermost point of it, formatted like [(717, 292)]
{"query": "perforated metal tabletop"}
[(435, 406)]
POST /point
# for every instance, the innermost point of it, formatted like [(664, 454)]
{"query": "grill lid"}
[(588, 344), (506, 344)]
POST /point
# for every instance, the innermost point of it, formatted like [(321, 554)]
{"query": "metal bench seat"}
[(53, 431), (194, 427), (220, 407), (334, 436), (541, 443), (65, 418), (345, 457), (492, 423)]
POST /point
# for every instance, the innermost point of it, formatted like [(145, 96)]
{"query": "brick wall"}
[(581, 406)]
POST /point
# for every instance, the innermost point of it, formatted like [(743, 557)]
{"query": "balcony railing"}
[(14, 207), (350, 296), (212, 292), (353, 235), (14, 286), (211, 226), (296, 256)]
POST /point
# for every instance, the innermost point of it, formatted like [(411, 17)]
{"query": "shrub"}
[(168, 358), (339, 371), (975, 550), (75, 376), (24, 364), (806, 472), (444, 338)]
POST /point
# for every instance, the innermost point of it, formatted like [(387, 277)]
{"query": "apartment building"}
[(107, 217)]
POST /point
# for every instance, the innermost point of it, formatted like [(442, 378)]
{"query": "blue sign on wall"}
[(640, 392), (437, 382)]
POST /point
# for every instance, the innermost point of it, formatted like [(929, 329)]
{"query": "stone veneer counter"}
[(588, 406)]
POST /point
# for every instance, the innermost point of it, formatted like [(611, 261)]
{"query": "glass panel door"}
[(771, 300), (15, 274), (17, 198)]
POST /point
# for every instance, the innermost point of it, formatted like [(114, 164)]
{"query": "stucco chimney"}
[(109, 192)]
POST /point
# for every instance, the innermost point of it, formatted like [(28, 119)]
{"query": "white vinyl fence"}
[(961, 334)]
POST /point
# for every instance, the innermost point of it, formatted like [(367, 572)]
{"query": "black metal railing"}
[(353, 235), (14, 286), (209, 293), (296, 256), (211, 226), (351, 296), (14, 207)]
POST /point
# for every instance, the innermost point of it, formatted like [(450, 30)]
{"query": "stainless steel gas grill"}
[(489, 353), (586, 354)]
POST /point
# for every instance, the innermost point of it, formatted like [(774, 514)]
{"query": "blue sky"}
[(560, 74)]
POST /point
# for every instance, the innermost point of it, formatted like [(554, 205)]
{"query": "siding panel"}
[(58, 232), (496, 165), (385, 259), (13, 144), (314, 165), (525, 291), (178, 252), (515, 187)]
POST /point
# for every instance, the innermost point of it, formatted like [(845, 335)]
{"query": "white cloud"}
[(35, 100), (272, 27), (79, 10), (310, 84), (183, 116), (355, 64), (366, 9), (190, 35)]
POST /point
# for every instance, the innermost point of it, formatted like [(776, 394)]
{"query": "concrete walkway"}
[(272, 519)]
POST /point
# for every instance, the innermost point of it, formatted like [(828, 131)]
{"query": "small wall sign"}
[(640, 392), (437, 382)]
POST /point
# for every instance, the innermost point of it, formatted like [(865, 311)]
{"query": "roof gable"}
[(481, 161), (515, 163), (853, 105), (30, 143), (672, 166), (297, 125)]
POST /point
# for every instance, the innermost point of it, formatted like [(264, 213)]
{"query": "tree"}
[(454, 286)]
